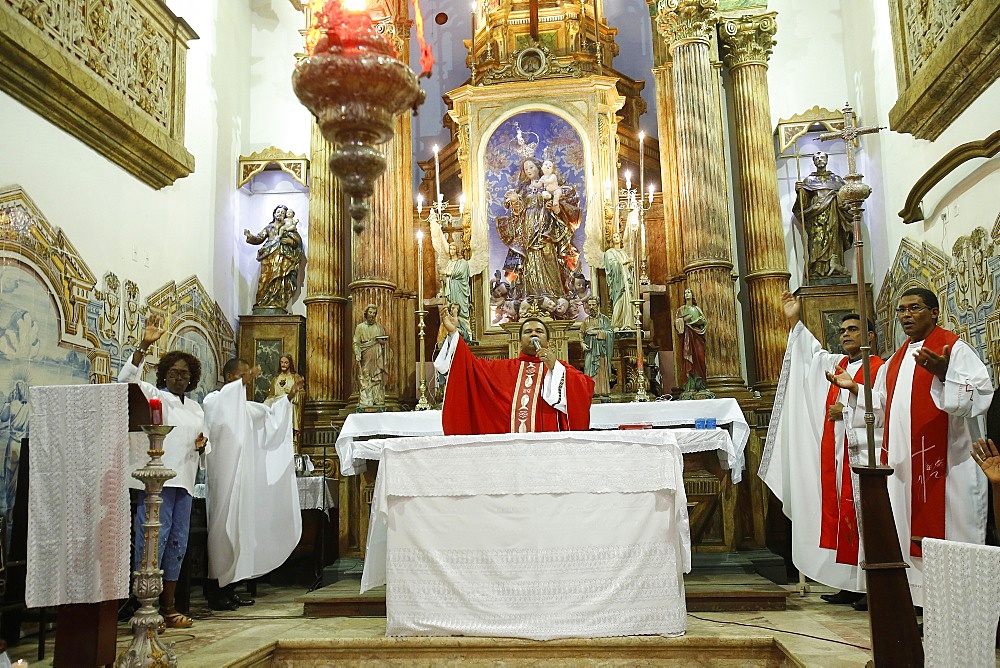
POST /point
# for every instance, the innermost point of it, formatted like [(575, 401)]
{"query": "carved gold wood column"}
[(325, 301), (747, 43), (686, 26), (378, 252), (666, 131)]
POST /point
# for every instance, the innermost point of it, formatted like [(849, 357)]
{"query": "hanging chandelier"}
[(354, 84)]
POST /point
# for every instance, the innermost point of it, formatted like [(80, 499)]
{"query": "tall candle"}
[(472, 48), (642, 173), (437, 176), (155, 411), (420, 270), (420, 204), (652, 187)]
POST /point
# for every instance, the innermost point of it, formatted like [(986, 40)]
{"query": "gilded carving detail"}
[(109, 72), (683, 20), (531, 64), (747, 39), (116, 41), (927, 24)]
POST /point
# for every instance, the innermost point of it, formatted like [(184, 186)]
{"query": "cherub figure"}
[(549, 180)]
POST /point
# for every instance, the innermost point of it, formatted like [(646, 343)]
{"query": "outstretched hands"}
[(842, 379), (153, 331), (448, 319), (792, 308), (986, 455), (930, 361)]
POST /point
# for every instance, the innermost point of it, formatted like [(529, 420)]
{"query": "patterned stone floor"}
[(814, 633)]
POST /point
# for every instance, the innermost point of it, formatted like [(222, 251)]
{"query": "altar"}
[(729, 437), (553, 535)]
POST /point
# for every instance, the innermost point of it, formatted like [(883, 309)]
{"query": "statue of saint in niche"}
[(280, 255), (826, 222)]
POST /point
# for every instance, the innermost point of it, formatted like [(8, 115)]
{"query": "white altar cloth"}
[(352, 451), (572, 534), (78, 512)]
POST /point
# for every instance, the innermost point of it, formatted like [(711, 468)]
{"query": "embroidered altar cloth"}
[(552, 535), (78, 507)]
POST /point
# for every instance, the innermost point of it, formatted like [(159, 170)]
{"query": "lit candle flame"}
[(628, 180), (461, 204), (420, 204)]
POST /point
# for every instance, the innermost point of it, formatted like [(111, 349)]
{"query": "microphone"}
[(535, 341)]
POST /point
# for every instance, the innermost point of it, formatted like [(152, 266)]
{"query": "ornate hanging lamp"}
[(354, 84)]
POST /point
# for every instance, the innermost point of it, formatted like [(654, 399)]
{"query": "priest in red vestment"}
[(534, 392), (809, 452), (928, 397)]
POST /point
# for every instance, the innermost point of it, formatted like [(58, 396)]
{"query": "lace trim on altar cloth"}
[(597, 591), (961, 603), (511, 465), (78, 507)]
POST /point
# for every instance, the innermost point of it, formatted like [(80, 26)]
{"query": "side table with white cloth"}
[(730, 438), (552, 535)]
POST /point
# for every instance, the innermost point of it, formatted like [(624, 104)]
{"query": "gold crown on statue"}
[(525, 149)]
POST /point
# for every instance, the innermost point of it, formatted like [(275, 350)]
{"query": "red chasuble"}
[(928, 441), (839, 523), (504, 396)]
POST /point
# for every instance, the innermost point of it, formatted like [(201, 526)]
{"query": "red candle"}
[(156, 411)]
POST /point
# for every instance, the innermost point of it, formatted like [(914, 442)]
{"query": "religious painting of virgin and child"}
[(536, 207)]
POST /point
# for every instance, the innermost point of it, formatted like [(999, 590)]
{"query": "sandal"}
[(176, 620)]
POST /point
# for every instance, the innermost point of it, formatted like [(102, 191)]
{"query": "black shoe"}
[(221, 603), (237, 600), (861, 605), (842, 597)]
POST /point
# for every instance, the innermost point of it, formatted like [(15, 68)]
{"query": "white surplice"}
[(790, 465), (185, 415), (965, 395), (254, 521)]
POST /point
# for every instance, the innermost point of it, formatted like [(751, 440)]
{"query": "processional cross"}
[(850, 135), (853, 194), (895, 639)]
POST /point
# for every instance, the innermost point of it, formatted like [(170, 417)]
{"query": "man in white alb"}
[(927, 397)]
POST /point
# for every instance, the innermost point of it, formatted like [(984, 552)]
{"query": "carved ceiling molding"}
[(112, 76), (296, 166), (946, 55), (985, 148)]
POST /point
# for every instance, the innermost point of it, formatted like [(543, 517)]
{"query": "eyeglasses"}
[(912, 309), (178, 375)]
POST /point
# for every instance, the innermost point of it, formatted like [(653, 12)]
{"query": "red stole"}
[(491, 396), (928, 441), (839, 520)]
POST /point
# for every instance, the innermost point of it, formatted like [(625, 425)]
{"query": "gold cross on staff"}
[(850, 135)]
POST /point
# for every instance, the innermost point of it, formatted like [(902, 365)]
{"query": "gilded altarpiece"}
[(572, 123)]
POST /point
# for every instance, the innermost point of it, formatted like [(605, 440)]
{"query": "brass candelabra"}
[(146, 648)]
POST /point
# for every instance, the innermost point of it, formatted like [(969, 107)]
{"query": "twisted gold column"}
[(325, 301), (747, 43), (686, 26)]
